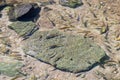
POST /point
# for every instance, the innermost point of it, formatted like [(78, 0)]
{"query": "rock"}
[(24, 29), (32, 14), (71, 3), (58, 17), (9, 66), (64, 51), (18, 11), (23, 12)]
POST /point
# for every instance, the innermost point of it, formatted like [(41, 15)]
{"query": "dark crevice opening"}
[(31, 15), (1, 8)]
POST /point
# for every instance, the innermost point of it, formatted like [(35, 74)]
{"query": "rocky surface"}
[(10, 66), (23, 12), (64, 51), (18, 11), (97, 20), (24, 29)]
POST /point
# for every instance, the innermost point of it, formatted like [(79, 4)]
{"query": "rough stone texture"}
[(9, 66), (24, 12), (71, 3), (64, 51), (93, 19), (23, 28), (11, 2), (59, 17), (18, 11)]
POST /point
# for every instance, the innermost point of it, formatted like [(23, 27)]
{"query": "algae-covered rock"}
[(71, 3), (23, 28), (9, 66), (65, 51)]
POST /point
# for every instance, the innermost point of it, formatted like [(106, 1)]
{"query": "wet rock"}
[(64, 51), (9, 66), (23, 29), (71, 3), (23, 11)]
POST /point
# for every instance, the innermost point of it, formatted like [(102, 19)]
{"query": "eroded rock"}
[(65, 51)]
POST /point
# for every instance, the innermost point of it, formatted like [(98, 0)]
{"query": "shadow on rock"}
[(1, 8), (31, 15), (24, 12)]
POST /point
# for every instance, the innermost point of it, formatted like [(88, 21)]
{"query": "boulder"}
[(64, 51), (32, 14), (71, 3), (18, 11), (23, 12)]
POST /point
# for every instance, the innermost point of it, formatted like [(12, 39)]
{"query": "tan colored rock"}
[(59, 17)]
